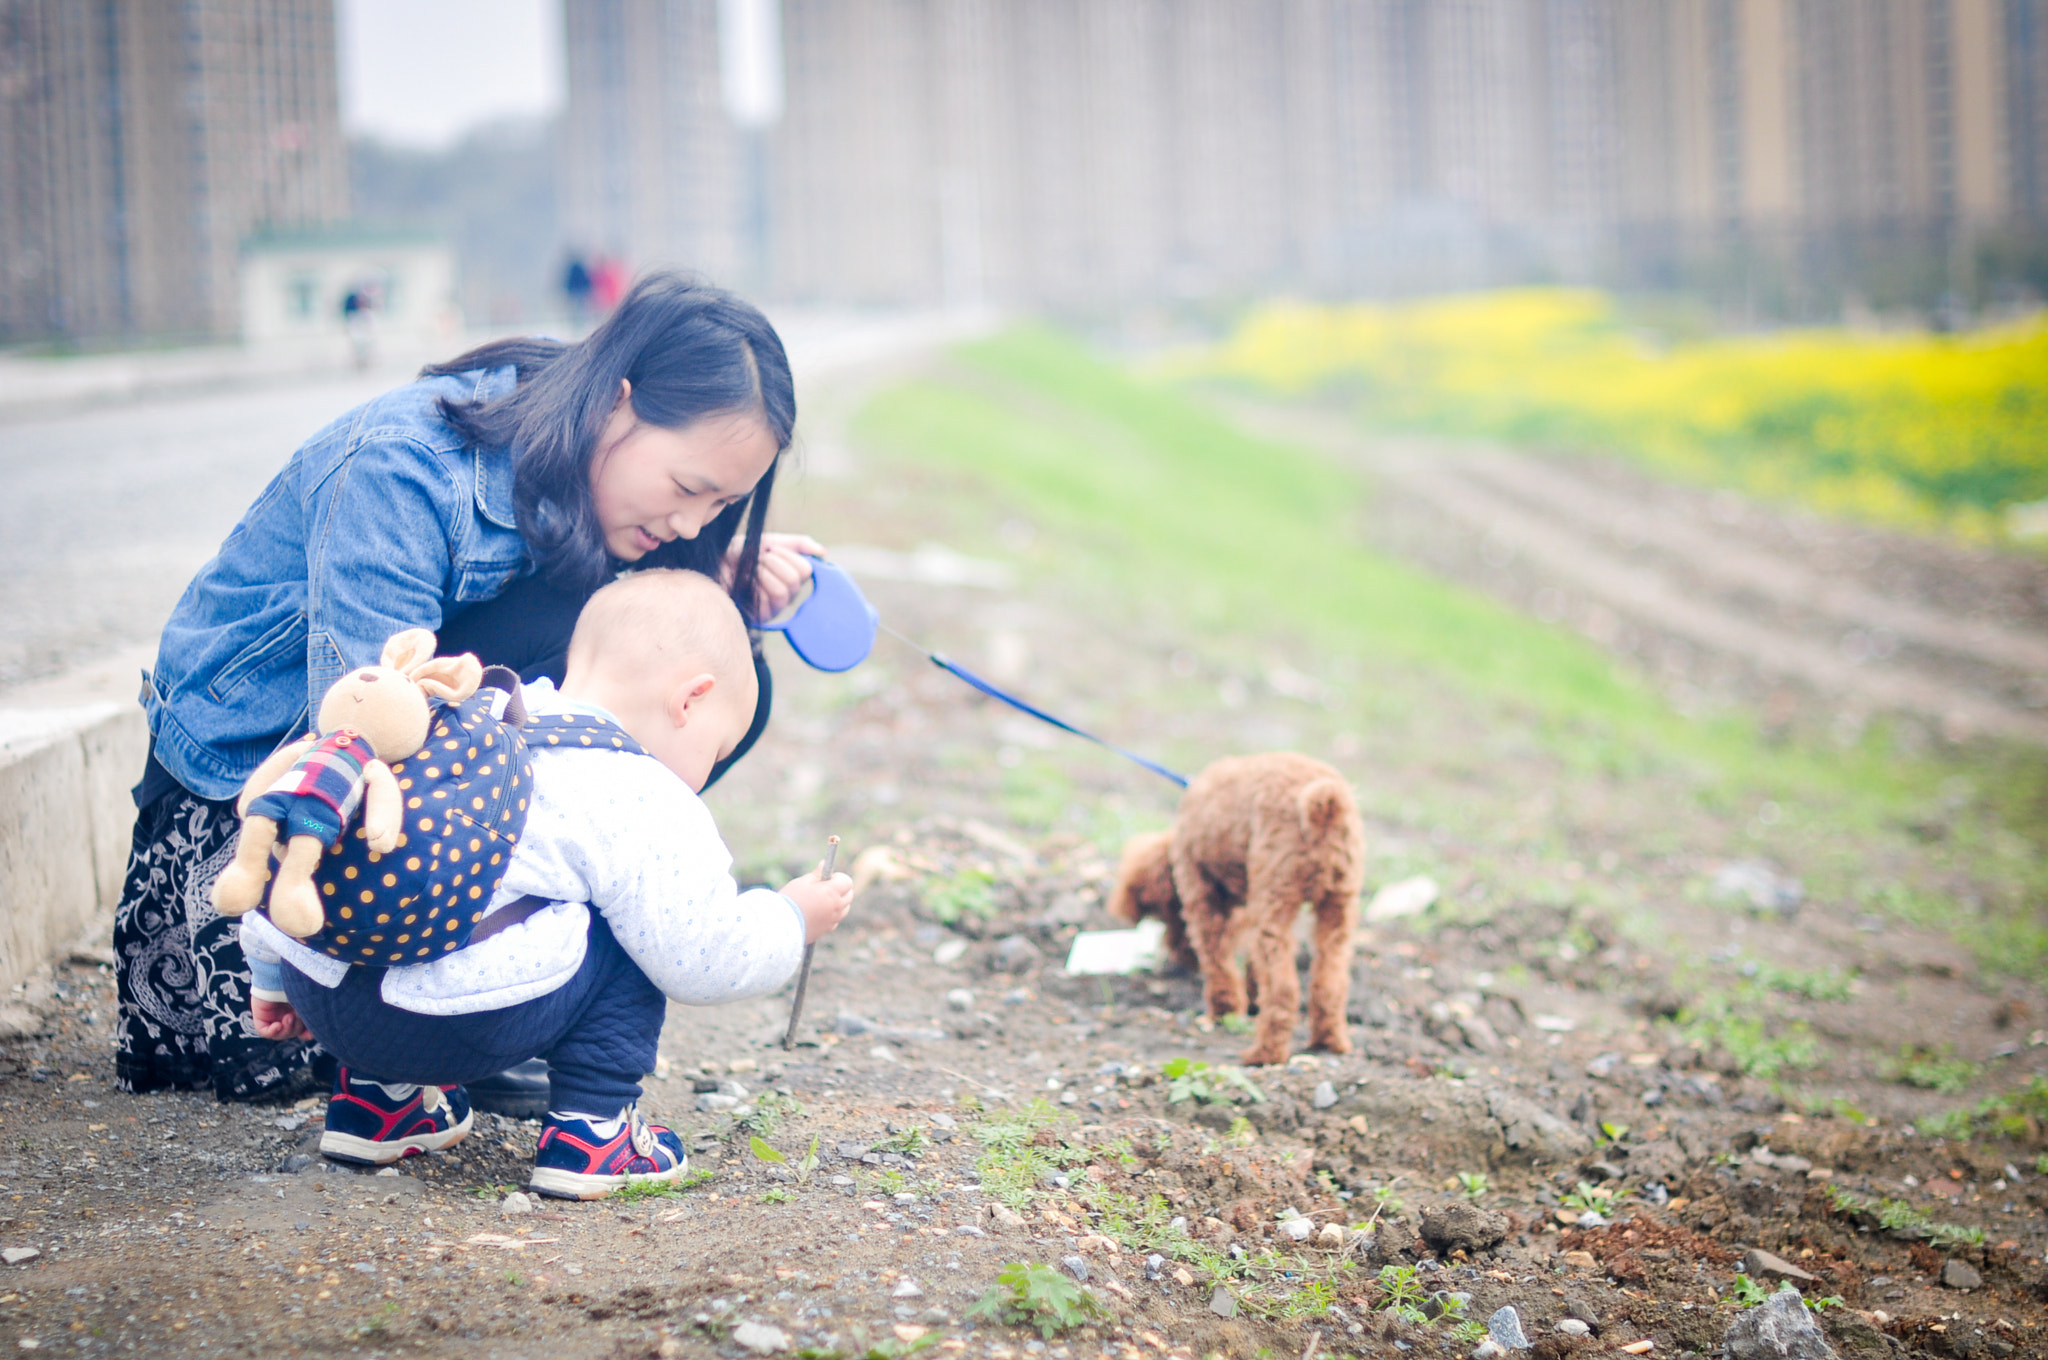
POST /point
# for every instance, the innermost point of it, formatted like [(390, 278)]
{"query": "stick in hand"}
[(803, 977)]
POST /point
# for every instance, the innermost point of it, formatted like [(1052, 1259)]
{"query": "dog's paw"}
[(1339, 1042), (1263, 1055)]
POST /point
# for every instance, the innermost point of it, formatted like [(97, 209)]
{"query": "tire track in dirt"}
[(1775, 615)]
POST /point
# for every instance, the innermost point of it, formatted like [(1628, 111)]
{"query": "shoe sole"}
[(556, 1183), (346, 1147)]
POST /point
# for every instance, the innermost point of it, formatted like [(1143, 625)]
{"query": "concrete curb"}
[(66, 819)]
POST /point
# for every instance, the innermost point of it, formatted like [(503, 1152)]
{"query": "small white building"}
[(296, 286)]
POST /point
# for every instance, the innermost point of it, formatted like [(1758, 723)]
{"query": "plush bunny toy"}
[(306, 792)]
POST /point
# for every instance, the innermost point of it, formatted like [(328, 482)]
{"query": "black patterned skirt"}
[(184, 986)]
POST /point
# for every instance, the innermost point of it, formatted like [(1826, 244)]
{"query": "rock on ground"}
[(1956, 1275), (1779, 1328), (1460, 1226), (758, 1338)]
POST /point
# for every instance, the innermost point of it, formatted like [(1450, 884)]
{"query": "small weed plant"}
[(634, 1191), (804, 1166), (767, 1115), (1738, 1023), (1929, 1069), (1037, 1296), (1236, 1024), (777, 1196), (1020, 1151), (913, 1142), (1473, 1184), (1193, 1079), (1902, 1220), (969, 893)]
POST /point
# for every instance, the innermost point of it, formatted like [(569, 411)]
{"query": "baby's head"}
[(667, 653)]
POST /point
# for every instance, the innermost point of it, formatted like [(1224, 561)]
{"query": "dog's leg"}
[(1329, 977), (1271, 953), (1207, 917)]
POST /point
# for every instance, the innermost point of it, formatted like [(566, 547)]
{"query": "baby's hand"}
[(277, 1020), (824, 902)]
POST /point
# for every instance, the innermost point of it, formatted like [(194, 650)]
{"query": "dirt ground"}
[(1601, 1018)]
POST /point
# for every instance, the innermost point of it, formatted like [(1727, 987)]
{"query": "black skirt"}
[(182, 980)]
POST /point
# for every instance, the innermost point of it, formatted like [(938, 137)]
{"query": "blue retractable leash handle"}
[(834, 630)]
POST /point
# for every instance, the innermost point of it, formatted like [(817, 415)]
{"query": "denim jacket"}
[(383, 521)]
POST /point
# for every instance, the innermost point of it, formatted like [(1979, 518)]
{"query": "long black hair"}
[(690, 351)]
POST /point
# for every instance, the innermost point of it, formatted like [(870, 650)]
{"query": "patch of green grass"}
[(1929, 1069), (1020, 1150), (970, 892), (913, 1142), (1822, 984), (1210, 1084), (634, 1191), (1139, 484), (770, 1109), (1037, 1296), (1473, 1184), (2020, 1113), (1740, 1023), (1901, 1219)]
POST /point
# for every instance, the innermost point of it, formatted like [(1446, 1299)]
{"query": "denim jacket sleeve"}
[(379, 558)]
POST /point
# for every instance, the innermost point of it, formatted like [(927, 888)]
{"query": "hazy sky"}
[(424, 72)]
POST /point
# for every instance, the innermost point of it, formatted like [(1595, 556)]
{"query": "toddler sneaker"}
[(374, 1123), (581, 1157)]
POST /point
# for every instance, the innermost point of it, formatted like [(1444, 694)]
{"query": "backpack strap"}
[(506, 679), (557, 730), (511, 914)]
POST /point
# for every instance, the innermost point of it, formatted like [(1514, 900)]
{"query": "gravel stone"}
[(1075, 1267), (759, 1338), (1505, 1328), (1574, 1327), (1325, 1095), (1014, 954), (515, 1203), (1300, 1229), (1223, 1303), (1761, 1265), (1956, 1275), (1779, 1328)]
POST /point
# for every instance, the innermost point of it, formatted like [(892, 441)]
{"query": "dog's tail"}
[(1325, 804)]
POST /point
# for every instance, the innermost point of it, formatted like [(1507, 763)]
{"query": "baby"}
[(618, 899)]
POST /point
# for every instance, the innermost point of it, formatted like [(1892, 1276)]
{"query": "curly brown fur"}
[(1255, 838), (1144, 887)]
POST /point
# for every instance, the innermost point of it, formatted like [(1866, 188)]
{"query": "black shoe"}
[(519, 1092)]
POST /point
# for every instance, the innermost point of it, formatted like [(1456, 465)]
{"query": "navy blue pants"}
[(598, 1031)]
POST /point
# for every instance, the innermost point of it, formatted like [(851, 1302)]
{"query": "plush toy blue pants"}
[(598, 1031)]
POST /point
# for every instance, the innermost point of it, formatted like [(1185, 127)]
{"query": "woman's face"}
[(651, 484)]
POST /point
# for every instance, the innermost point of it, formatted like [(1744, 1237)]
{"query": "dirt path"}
[(1869, 622), (1524, 1036)]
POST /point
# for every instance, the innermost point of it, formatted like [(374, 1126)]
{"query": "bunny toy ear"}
[(454, 678), (407, 649)]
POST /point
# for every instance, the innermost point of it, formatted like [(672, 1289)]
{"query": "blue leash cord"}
[(960, 672)]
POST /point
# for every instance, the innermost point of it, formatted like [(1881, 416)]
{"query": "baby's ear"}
[(454, 678), (407, 649)]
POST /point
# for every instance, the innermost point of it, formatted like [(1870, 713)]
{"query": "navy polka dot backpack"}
[(465, 795)]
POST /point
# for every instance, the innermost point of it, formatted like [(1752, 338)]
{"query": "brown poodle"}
[(1256, 837)]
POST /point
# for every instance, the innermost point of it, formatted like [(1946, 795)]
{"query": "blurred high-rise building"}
[(1082, 153), (141, 141)]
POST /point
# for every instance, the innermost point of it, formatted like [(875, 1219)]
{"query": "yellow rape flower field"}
[(1929, 431)]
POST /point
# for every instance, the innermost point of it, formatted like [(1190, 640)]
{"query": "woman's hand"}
[(277, 1020), (784, 568)]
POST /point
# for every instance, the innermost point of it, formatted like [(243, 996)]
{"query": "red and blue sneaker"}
[(375, 1123), (580, 1157)]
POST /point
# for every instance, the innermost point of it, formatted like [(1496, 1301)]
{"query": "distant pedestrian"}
[(607, 284), (576, 286), (485, 502), (359, 319)]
